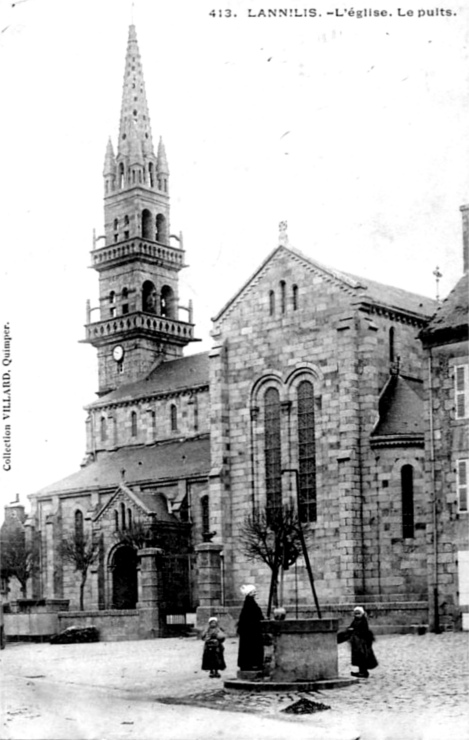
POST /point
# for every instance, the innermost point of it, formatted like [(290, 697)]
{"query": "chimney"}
[(465, 236)]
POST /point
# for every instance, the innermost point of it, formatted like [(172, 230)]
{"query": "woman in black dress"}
[(361, 640), (251, 648)]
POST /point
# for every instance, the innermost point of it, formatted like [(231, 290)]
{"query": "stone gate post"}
[(151, 613), (210, 586)]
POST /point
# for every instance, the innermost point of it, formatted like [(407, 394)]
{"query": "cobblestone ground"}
[(420, 690)]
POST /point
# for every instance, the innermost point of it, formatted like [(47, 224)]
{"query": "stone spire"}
[(162, 162), (134, 131), (109, 159)]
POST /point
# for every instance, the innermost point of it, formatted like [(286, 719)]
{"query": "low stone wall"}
[(113, 625), (34, 620), (36, 606), (31, 627), (384, 617), (227, 618)]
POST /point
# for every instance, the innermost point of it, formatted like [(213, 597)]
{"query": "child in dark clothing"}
[(213, 659), (361, 640)]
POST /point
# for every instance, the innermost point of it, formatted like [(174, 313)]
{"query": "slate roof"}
[(169, 460), (400, 410), (451, 320), (152, 502), (169, 377), (387, 295), (365, 290)]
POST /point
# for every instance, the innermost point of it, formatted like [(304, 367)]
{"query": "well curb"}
[(266, 685)]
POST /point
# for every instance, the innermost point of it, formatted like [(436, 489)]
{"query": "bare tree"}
[(19, 559), (274, 537), (81, 550)]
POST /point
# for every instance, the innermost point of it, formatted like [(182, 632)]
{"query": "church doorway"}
[(124, 578)]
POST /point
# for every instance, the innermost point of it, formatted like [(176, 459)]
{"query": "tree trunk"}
[(273, 591), (82, 591)]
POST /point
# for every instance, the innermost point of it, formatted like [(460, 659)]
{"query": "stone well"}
[(299, 654), (301, 650)]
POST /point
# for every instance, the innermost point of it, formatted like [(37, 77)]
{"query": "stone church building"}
[(313, 392)]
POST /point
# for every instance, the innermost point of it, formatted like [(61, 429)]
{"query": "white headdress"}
[(359, 611), (248, 590)]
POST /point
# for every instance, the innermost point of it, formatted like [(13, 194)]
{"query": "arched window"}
[(146, 224), (295, 297), (103, 429), (121, 176), (306, 452), (123, 526), (129, 518), (149, 297), (407, 493), (283, 297), (116, 224), (196, 413), (133, 423), (205, 513), (112, 304), (125, 300), (167, 302), (391, 345), (116, 520), (271, 303), (461, 470), (272, 450), (160, 228), (174, 417), (79, 533), (150, 174)]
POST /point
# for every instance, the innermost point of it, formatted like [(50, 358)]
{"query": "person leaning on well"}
[(361, 639)]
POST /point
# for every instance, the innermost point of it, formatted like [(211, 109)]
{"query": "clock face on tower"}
[(118, 353)]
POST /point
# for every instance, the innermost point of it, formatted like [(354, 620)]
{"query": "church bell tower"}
[(139, 263)]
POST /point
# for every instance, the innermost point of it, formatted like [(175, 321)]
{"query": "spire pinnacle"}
[(162, 161), (134, 131), (109, 159)]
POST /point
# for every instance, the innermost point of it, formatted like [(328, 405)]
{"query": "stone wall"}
[(448, 437), (394, 565), (33, 619), (385, 617), (113, 625), (150, 429), (345, 353)]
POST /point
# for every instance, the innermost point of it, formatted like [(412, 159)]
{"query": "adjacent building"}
[(445, 340)]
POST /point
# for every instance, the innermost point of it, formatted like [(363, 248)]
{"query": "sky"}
[(353, 130)]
